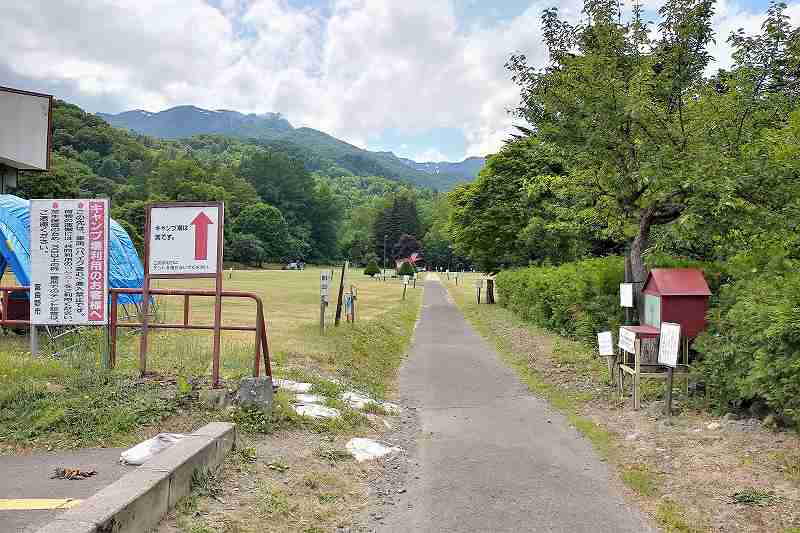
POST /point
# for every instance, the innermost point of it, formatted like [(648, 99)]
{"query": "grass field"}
[(70, 400)]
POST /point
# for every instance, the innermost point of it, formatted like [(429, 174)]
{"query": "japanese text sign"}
[(605, 342), (627, 340), (183, 239), (69, 262), (668, 344)]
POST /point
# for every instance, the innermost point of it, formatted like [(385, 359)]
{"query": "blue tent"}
[(124, 268)]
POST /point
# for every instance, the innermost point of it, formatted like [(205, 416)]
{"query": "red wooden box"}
[(678, 295)]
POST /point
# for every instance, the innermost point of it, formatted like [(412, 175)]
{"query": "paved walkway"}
[(29, 498), (493, 458)]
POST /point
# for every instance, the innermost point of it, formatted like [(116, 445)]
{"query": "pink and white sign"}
[(69, 262)]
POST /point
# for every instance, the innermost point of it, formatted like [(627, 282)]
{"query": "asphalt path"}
[(492, 457), (26, 481)]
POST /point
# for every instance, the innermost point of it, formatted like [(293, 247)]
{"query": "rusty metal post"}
[(186, 310), (257, 361), (218, 301), (339, 297), (112, 332), (145, 308)]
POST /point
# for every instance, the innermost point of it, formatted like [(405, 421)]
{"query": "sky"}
[(422, 78)]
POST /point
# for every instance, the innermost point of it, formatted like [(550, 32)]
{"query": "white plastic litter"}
[(367, 449), (309, 398), (316, 411), (356, 400), (293, 386), (144, 451), (391, 408)]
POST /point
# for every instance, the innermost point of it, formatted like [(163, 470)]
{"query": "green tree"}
[(620, 105), (372, 269), (247, 249), (267, 224), (398, 217)]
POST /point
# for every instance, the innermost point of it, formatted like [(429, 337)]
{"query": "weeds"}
[(674, 520), (754, 496), (642, 481)]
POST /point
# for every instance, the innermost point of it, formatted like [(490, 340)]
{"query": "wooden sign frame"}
[(216, 276)]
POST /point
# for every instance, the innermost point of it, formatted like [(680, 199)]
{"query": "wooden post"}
[(34, 341), (637, 374), (322, 315), (479, 296), (339, 297), (405, 286), (628, 279), (668, 399), (489, 291)]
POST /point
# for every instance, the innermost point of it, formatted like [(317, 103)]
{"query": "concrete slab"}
[(27, 477), (136, 502)]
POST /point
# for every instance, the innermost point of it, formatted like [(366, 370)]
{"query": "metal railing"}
[(259, 328)]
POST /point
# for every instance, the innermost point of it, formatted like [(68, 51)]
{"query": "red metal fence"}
[(259, 328)]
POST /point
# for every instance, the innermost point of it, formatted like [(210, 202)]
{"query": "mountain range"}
[(321, 152)]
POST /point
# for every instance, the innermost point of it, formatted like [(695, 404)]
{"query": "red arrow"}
[(200, 223)]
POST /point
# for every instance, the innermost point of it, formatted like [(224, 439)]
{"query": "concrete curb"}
[(137, 502)]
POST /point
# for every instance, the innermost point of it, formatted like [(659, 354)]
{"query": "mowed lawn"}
[(69, 400), (292, 307)]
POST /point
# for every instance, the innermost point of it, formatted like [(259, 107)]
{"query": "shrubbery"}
[(406, 269), (751, 352), (372, 269), (574, 299)]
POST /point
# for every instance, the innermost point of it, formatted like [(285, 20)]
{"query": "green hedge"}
[(574, 299), (751, 352)]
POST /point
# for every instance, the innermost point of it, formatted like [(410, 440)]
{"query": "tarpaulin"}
[(124, 266)]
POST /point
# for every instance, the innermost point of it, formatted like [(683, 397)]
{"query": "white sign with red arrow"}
[(183, 240)]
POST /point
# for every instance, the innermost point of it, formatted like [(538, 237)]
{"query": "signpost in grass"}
[(324, 295), (69, 263), (183, 240)]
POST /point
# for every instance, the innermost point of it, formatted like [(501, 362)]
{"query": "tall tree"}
[(398, 217), (629, 109)]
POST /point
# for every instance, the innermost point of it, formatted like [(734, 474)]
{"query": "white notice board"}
[(626, 294), (627, 340), (605, 343), (183, 240), (669, 342), (69, 262)]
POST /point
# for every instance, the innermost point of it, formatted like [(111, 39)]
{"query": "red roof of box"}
[(676, 282)]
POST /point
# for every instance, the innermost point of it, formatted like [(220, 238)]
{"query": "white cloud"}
[(355, 70)]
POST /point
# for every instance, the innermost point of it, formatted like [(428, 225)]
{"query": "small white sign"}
[(478, 283), (605, 341), (183, 240), (405, 280), (627, 340), (626, 294), (69, 262), (669, 342)]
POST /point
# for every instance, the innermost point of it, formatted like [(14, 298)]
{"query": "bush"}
[(574, 299), (372, 269), (406, 269), (751, 352)]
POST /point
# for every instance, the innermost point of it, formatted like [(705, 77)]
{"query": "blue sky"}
[(422, 78)]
